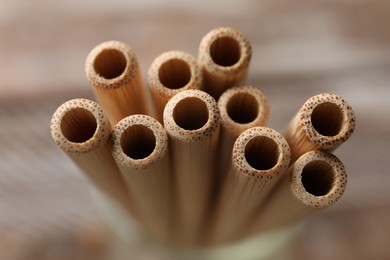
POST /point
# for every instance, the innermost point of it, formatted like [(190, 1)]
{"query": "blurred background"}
[(300, 49)]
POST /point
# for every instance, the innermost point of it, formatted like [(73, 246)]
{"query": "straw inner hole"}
[(225, 51), (262, 153), (318, 178), (191, 113), (78, 125), (242, 108), (174, 73), (110, 63), (138, 142), (327, 119)]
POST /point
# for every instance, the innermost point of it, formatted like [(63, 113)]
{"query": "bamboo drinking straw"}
[(113, 72), (324, 122), (314, 182), (170, 73), (260, 157), (140, 149), (224, 54), (192, 121), (82, 130), (241, 108)]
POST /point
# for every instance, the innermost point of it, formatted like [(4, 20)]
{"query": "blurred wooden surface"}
[(300, 49)]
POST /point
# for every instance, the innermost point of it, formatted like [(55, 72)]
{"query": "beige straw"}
[(314, 182), (170, 73), (82, 130), (260, 157), (324, 122), (113, 72), (224, 54), (140, 149), (192, 121), (241, 108)]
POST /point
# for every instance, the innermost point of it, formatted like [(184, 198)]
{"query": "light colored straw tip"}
[(191, 115), (243, 107), (318, 179), (327, 119), (174, 71), (139, 141), (111, 64), (261, 153), (225, 49), (79, 126)]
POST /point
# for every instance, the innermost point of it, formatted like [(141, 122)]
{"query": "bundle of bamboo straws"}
[(206, 171)]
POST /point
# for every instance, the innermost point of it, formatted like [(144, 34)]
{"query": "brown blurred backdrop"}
[(300, 48)]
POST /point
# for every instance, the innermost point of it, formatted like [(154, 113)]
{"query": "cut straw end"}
[(113, 72), (224, 54), (111, 64), (325, 121), (139, 141), (318, 179), (79, 126), (191, 115), (243, 107), (261, 152)]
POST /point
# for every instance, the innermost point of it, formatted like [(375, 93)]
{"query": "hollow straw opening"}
[(318, 178), (242, 108), (78, 125), (191, 113), (225, 51), (327, 119), (262, 153), (138, 142), (110, 63), (174, 73)]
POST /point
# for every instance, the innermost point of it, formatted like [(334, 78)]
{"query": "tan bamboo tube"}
[(170, 73), (224, 54), (241, 108), (82, 130), (140, 149), (113, 72), (260, 157), (314, 182), (325, 121), (192, 121)]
